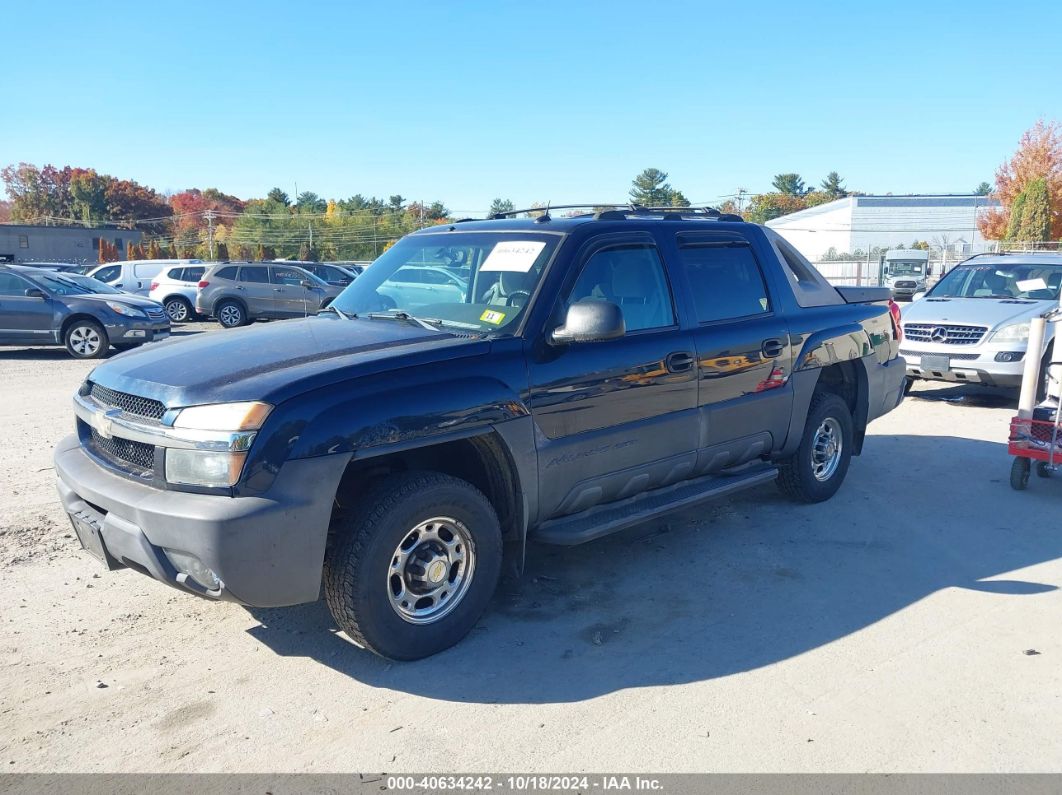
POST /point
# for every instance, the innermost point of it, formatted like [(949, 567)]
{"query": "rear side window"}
[(725, 281), (226, 273), (177, 274), (254, 275), (289, 276), (193, 274)]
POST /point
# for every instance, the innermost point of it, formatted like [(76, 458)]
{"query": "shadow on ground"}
[(735, 586), (965, 394)]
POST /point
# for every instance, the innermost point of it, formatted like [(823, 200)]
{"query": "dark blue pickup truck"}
[(481, 384)]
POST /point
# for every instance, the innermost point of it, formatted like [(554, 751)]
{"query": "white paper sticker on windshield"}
[(515, 255), (1028, 285)]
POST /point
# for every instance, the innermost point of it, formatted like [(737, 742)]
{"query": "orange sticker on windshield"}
[(492, 317)]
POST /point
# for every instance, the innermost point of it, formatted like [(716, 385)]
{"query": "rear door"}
[(617, 417), (23, 318), (252, 285), (744, 356)]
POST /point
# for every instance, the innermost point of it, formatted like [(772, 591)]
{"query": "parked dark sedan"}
[(41, 307)]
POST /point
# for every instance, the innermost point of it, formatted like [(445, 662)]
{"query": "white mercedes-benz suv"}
[(973, 325)]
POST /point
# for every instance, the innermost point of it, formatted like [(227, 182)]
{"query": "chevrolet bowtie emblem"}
[(105, 421)]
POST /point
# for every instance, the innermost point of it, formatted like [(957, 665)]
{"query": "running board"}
[(615, 516)]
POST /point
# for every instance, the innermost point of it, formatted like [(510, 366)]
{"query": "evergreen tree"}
[(279, 196), (834, 186), (1035, 223), (983, 189), (789, 184), (651, 189), (500, 206)]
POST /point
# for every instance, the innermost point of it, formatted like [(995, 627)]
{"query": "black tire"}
[(231, 314), (797, 476), (86, 339), (179, 309), (1043, 470), (1019, 474), (356, 578)]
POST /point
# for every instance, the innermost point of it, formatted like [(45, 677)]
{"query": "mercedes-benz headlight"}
[(1014, 332)]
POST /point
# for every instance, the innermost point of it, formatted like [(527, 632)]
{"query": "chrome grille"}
[(953, 335), (906, 285), (155, 313), (126, 451), (130, 404), (955, 357)]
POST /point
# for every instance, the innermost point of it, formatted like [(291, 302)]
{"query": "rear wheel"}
[(231, 314), (1019, 474), (86, 339), (179, 309), (415, 566), (817, 469)]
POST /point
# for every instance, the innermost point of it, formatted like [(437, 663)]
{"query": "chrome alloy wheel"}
[(826, 449), (230, 315), (431, 570), (85, 341), (177, 310)]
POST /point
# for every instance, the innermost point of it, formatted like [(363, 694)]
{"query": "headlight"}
[(203, 467), (224, 416), (1015, 332), (125, 309)]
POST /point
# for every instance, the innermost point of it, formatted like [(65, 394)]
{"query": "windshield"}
[(73, 284), (1034, 282), (479, 281), (906, 268)]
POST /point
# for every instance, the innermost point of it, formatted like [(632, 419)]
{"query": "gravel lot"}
[(910, 624)]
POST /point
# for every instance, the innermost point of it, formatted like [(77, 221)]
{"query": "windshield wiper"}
[(432, 323), (338, 311)]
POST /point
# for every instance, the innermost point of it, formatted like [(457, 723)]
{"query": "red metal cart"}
[(1034, 440)]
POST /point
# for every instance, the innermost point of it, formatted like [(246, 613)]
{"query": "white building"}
[(860, 223)]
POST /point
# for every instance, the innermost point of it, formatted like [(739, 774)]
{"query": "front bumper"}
[(132, 330), (974, 364), (267, 551)]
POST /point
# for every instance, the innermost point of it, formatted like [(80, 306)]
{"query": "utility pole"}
[(209, 215), (309, 225)]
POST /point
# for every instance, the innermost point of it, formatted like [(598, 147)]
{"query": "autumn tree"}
[(790, 184), (1039, 156), (767, 206)]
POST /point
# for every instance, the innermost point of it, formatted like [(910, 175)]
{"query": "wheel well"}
[(74, 318), (177, 296), (848, 380), (480, 460), (232, 299)]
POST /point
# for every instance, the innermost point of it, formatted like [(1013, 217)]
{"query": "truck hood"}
[(991, 312), (277, 360)]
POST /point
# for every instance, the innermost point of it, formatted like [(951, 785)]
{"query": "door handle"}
[(772, 348), (240, 288), (679, 362), (278, 289)]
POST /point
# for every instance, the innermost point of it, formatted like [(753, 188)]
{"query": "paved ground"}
[(910, 624)]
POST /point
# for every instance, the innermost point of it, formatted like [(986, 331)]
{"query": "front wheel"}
[(1019, 474), (817, 469), (86, 339), (415, 566)]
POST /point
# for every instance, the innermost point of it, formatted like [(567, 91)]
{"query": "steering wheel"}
[(514, 294)]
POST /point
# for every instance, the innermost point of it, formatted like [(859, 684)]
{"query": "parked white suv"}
[(134, 275), (973, 326), (175, 289)]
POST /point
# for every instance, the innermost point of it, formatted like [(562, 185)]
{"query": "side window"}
[(288, 276), (258, 275), (725, 280), (193, 274), (12, 285), (409, 276), (108, 274), (177, 274), (226, 273), (632, 277)]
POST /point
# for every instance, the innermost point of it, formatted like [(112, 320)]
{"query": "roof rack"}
[(619, 212)]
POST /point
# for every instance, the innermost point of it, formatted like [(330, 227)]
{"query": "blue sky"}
[(532, 101)]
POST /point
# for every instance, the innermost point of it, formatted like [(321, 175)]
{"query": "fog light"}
[(203, 467), (1010, 356), (136, 333), (194, 569)]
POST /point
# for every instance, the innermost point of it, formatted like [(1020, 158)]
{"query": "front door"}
[(23, 318), (292, 299), (744, 357), (614, 418)]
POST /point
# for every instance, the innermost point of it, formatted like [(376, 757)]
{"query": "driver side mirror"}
[(590, 321), (35, 292), (307, 284)]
